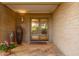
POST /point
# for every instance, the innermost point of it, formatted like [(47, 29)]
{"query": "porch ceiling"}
[(41, 7)]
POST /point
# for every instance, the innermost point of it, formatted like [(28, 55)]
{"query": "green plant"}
[(3, 47), (12, 46)]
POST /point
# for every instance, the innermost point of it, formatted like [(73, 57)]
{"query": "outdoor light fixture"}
[(21, 11)]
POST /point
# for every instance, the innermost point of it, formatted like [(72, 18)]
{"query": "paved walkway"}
[(36, 50)]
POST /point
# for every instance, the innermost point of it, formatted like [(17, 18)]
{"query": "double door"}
[(39, 29)]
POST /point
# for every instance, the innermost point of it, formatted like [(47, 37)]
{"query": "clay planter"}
[(5, 53), (19, 34)]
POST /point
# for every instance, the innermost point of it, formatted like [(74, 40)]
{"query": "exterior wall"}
[(7, 21), (65, 30)]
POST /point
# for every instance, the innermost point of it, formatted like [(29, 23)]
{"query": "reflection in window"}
[(39, 28), (35, 26)]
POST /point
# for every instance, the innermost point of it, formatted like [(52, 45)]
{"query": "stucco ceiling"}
[(33, 7)]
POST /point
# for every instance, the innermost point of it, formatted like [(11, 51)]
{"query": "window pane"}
[(35, 26)]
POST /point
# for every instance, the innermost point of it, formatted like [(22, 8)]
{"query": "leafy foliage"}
[(12, 46), (3, 47)]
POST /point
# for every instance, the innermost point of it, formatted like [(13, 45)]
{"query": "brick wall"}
[(65, 30)]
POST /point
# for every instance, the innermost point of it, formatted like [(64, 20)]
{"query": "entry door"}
[(39, 29)]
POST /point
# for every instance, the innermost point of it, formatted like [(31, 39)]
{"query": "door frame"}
[(31, 27)]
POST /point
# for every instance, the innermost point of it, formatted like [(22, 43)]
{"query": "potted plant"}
[(5, 48)]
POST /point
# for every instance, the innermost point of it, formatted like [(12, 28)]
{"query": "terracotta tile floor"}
[(36, 50)]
